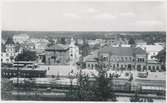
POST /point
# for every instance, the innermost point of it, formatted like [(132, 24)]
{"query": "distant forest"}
[(146, 36)]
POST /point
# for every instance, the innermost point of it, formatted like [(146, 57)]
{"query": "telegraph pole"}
[(17, 80)]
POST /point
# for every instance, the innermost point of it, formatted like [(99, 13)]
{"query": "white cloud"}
[(71, 15), (105, 16)]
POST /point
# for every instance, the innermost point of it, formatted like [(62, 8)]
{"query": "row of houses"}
[(124, 58), (54, 54), (119, 48)]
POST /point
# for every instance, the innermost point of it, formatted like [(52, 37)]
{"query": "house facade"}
[(57, 54), (20, 38), (73, 52), (152, 50), (8, 51), (116, 58)]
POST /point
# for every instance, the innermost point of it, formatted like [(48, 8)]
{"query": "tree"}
[(99, 89), (161, 56), (103, 86), (135, 98), (85, 92), (63, 41), (26, 55), (51, 42), (131, 41)]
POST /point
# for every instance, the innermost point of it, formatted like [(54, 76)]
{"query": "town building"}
[(73, 52), (153, 65), (57, 54), (20, 38), (8, 51), (122, 58), (126, 58), (28, 45), (140, 42), (41, 44), (152, 50), (116, 41)]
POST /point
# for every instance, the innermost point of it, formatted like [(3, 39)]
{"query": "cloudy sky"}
[(83, 16)]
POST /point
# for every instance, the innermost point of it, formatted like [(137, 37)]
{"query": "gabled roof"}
[(139, 50), (140, 41), (9, 41), (58, 47), (91, 58), (122, 51), (117, 51)]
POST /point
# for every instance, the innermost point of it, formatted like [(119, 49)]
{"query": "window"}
[(7, 54), (92, 66), (121, 66), (139, 66), (129, 66), (149, 67), (95, 65), (140, 59), (105, 58), (113, 59), (117, 65), (133, 60), (88, 65), (126, 58), (122, 59), (130, 58), (113, 65), (157, 68)]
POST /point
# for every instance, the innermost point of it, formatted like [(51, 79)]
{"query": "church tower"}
[(10, 46)]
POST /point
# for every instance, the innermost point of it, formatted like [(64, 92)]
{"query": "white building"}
[(20, 38), (41, 44), (73, 51), (8, 53), (152, 50), (140, 42)]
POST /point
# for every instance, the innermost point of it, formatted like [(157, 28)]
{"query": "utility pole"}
[(17, 80)]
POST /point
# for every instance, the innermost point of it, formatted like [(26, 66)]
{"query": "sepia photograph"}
[(83, 51)]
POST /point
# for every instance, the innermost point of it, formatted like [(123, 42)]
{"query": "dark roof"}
[(119, 51), (9, 41), (140, 41), (152, 62), (91, 58), (122, 51), (58, 47), (139, 50)]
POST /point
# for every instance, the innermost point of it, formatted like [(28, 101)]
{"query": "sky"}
[(83, 16)]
